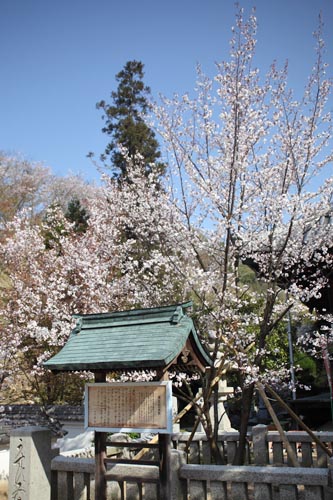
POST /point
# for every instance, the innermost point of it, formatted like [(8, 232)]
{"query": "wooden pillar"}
[(100, 455), (164, 442)]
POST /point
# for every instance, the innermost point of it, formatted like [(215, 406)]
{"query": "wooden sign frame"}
[(129, 407)]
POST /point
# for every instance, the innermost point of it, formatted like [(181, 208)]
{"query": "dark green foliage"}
[(124, 123), (78, 215)]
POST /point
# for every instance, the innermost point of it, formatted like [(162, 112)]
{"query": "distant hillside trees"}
[(31, 186)]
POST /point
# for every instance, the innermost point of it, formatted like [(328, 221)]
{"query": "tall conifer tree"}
[(126, 126)]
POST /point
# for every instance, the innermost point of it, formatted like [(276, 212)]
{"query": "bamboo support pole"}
[(299, 421), (290, 451), (190, 439)]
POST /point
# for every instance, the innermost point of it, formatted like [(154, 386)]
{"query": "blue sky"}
[(58, 58)]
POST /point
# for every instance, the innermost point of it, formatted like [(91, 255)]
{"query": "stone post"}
[(223, 391), (329, 487), (30, 464), (260, 446), (224, 422), (178, 486)]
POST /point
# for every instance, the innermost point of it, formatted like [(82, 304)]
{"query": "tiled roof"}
[(21, 415), (135, 339)]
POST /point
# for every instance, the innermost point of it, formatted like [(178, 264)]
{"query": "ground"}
[(3, 489)]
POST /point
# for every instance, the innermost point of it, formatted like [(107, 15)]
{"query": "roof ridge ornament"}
[(78, 326), (177, 315)]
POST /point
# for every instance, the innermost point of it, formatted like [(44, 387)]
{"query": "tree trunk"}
[(247, 396), (216, 456)]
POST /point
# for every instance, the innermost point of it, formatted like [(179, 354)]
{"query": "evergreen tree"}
[(125, 124), (77, 214)]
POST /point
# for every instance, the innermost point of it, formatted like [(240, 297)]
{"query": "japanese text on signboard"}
[(127, 406)]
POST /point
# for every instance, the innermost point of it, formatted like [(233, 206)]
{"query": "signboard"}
[(129, 407)]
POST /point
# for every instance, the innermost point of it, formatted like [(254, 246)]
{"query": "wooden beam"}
[(100, 454)]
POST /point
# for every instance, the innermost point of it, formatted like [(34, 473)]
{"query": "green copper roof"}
[(144, 338)]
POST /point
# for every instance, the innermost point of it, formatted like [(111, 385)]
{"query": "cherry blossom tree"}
[(55, 272), (48, 284), (27, 190), (250, 164)]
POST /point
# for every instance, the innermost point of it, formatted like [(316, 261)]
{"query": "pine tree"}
[(77, 214), (125, 123)]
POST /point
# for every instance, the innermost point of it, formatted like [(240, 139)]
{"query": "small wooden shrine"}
[(161, 339)]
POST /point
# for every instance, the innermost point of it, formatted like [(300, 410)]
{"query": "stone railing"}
[(263, 447), (34, 473), (218, 482), (72, 478)]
